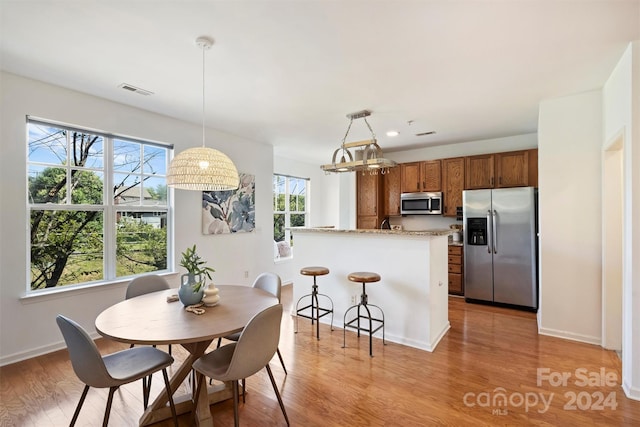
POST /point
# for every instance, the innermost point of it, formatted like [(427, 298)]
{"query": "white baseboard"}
[(570, 336), (631, 392), (39, 351)]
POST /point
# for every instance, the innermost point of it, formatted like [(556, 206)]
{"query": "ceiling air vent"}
[(132, 88), (426, 133)]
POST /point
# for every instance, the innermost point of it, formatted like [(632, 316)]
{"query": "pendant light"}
[(370, 156), (202, 168)]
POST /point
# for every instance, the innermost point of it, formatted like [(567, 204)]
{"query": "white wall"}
[(27, 326), (621, 100), (324, 204), (469, 148), (569, 164)]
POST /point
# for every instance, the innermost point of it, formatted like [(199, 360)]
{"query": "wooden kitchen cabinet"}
[(498, 170), (456, 270), (512, 169), (391, 191), (421, 176), (479, 172), (533, 167), (369, 200), (453, 173)]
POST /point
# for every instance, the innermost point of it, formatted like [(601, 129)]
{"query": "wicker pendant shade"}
[(202, 168)]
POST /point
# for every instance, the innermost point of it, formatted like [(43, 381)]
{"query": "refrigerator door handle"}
[(495, 233), (489, 234)]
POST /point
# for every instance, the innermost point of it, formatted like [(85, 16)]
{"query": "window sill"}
[(282, 260), (67, 291)]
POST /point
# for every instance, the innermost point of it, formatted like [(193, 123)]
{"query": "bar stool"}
[(319, 311), (364, 277)]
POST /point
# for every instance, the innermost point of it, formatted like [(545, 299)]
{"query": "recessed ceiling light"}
[(393, 133)]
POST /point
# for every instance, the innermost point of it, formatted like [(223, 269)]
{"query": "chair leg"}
[(219, 342), (145, 402), (236, 420), (244, 385), (77, 412), (170, 395), (107, 411), (146, 390), (170, 350), (282, 361), (275, 388)]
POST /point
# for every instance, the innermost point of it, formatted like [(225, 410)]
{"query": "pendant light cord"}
[(203, 93)]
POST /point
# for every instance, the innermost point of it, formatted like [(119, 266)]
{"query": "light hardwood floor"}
[(488, 353)]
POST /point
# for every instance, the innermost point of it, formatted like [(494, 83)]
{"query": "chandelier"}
[(202, 168), (368, 154)]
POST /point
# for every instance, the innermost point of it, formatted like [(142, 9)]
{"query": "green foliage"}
[(158, 193), (140, 246), (196, 265), (278, 227)]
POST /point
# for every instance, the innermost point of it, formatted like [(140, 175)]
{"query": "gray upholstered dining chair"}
[(252, 352), (145, 285), (271, 283), (113, 370)]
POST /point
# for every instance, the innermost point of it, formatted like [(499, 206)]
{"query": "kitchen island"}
[(412, 291)]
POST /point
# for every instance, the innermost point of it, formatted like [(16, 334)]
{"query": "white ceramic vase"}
[(211, 296)]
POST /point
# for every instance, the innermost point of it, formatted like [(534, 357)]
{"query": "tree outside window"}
[(98, 206), (289, 206)]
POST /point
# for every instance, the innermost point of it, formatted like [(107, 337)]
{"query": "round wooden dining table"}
[(151, 320)]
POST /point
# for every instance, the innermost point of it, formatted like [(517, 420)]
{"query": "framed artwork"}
[(232, 211)]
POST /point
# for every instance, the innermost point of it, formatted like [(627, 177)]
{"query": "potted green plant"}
[(192, 288)]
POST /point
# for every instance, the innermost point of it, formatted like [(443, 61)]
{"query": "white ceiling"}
[(287, 72)]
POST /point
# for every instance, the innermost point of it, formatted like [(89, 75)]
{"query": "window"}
[(290, 209), (98, 206)]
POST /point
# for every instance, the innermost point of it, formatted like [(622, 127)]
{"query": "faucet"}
[(384, 225)]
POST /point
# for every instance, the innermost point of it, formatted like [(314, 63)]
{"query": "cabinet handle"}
[(500, 180), (424, 185), (492, 181)]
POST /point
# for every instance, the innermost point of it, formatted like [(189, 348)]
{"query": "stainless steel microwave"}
[(421, 203)]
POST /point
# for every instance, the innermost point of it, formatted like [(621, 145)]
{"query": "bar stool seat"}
[(364, 277), (314, 305)]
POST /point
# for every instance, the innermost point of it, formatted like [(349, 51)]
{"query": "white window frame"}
[(287, 211), (108, 207)]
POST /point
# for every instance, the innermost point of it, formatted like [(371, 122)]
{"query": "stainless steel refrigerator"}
[(500, 246)]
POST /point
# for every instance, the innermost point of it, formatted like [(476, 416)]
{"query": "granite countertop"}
[(434, 232)]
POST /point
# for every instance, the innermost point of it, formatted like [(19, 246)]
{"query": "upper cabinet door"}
[(421, 176), (367, 193), (479, 172), (391, 188), (512, 169), (431, 175), (453, 172), (411, 177)]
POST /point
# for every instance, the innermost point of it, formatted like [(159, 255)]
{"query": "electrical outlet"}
[(246, 274), (354, 298)]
